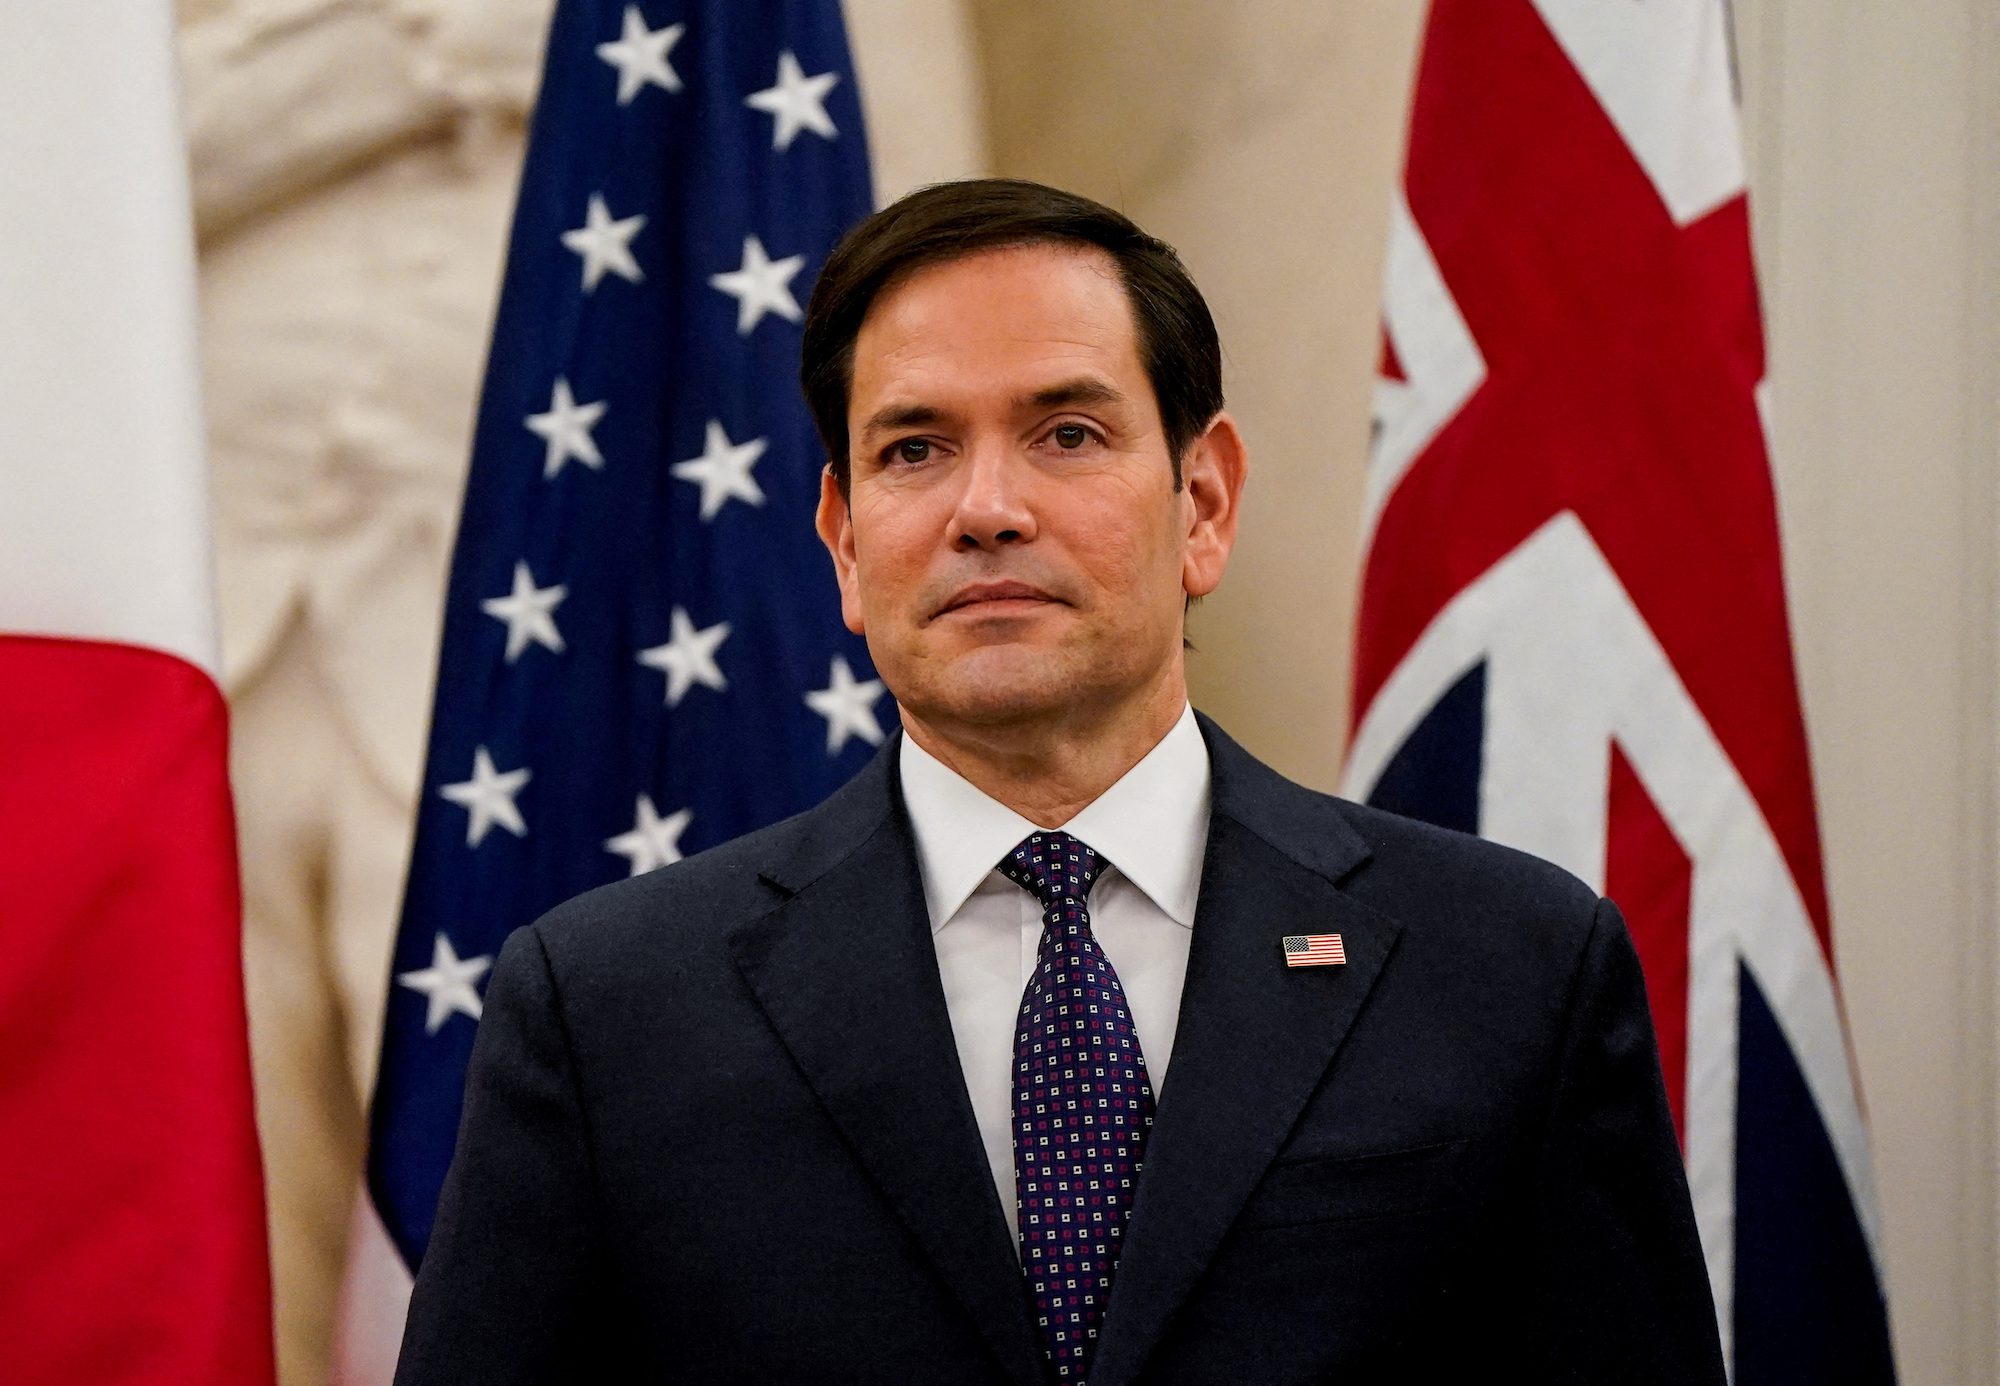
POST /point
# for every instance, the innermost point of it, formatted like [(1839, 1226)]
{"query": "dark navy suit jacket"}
[(716, 1130)]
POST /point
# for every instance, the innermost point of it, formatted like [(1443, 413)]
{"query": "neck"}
[(1050, 770)]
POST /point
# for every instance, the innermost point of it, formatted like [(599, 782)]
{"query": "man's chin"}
[(1001, 707), (997, 688)]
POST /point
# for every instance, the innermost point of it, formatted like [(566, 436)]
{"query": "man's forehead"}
[(1052, 290), (1035, 257), (1039, 319)]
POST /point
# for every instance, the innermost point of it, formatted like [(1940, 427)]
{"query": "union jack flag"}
[(1573, 634), (642, 654)]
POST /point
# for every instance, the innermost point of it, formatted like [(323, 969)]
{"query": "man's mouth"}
[(996, 596)]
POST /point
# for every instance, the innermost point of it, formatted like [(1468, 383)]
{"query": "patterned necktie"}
[(1082, 1105)]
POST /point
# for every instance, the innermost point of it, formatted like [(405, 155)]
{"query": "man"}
[(1000, 1065)]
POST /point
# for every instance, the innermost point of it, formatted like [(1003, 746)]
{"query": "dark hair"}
[(949, 221)]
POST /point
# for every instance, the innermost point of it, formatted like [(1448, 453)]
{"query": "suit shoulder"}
[(1422, 858), (1420, 874), (686, 906), (680, 917), (1475, 907)]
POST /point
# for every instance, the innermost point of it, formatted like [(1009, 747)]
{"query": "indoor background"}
[(354, 170)]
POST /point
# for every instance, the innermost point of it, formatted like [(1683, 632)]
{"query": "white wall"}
[(1872, 133)]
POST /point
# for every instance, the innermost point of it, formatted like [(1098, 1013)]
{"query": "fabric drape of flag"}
[(132, 1246), (1573, 633), (642, 653)]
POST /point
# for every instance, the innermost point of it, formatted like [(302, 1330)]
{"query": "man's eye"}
[(912, 450), (1069, 437)]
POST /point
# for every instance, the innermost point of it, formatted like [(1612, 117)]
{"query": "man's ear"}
[(1212, 476), (835, 523)]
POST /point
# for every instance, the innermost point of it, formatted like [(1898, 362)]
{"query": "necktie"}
[(1082, 1105)]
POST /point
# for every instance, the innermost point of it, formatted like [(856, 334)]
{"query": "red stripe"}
[(1651, 876), (1318, 950), (133, 1241)]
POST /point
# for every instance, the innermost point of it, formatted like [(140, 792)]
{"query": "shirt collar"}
[(1152, 825)]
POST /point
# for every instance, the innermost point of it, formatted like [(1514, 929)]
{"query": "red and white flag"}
[(1573, 634), (132, 1247)]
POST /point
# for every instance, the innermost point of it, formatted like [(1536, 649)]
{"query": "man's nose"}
[(993, 501)]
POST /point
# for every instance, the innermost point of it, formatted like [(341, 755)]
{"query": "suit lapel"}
[(1254, 1038), (846, 972)]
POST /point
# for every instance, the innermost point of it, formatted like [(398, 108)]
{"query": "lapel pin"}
[(1314, 950)]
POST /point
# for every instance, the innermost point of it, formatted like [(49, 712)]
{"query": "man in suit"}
[(997, 1066)]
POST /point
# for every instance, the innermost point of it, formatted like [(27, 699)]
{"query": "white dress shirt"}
[(1151, 829)]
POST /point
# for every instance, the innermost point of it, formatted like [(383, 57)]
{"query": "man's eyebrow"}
[(895, 416), (1082, 390)]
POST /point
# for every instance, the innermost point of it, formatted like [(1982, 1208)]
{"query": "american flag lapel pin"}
[(1314, 950)]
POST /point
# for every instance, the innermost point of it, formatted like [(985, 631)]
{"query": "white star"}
[(449, 984), (640, 55), (723, 469), (761, 286), (489, 798), (796, 103), (688, 657), (605, 244), (529, 612), (848, 705), (654, 841), (566, 429)]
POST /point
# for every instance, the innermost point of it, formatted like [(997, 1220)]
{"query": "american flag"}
[(642, 654), (1314, 950), (1573, 635)]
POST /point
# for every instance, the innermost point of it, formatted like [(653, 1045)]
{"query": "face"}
[(1012, 545)]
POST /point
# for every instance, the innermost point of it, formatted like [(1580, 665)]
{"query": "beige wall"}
[(1260, 138), (1872, 141)]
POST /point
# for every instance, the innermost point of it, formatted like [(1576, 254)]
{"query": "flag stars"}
[(688, 657), (796, 102), (605, 244), (653, 841), (565, 427), (762, 285), (488, 798), (723, 471), (449, 985), (529, 612), (640, 56), (848, 705)]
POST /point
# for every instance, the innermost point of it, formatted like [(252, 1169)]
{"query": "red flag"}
[(1573, 633), (133, 1246)]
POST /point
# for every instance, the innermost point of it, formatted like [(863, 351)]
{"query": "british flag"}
[(1573, 633)]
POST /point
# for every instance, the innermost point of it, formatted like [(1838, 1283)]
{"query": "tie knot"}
[(1053, 866)]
